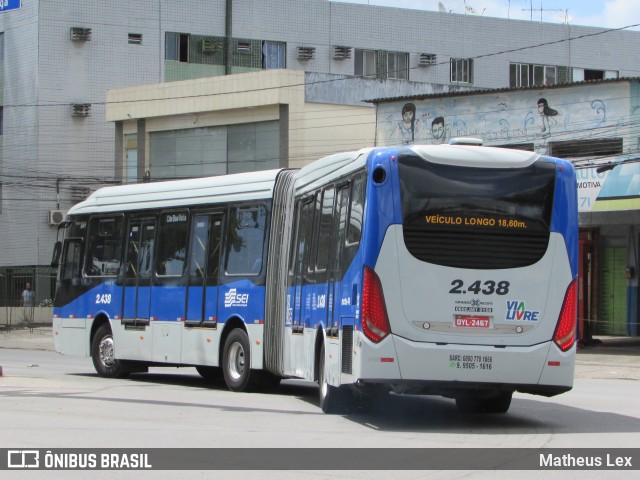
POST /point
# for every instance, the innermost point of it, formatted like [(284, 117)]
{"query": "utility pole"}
[(228, 36)]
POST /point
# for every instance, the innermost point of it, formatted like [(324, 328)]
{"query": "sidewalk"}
[(606, 357)]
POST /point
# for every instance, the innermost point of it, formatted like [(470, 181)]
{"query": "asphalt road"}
[(53, 401)]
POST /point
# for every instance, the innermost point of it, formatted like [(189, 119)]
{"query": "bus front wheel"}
[(103, 354), (236, 363)]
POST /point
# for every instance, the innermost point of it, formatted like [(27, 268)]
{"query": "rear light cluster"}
[(375, 322), (565, 334)]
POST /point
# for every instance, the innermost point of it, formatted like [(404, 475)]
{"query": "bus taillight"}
[(375, 323), (565, 334)]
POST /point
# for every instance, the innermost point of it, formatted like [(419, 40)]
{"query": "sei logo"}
[(233, 298)]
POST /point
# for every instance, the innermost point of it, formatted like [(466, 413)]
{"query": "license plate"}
[(472, 321)]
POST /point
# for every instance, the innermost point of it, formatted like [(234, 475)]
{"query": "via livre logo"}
[(517, 311)]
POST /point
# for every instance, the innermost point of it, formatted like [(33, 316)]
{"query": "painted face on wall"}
[(407, 117), (437, 130)]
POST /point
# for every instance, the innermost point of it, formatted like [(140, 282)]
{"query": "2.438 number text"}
[(487, 288)]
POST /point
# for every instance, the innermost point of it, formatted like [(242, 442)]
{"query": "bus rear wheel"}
[(331, 399), (103, 354), (498, 403), (236, 363)]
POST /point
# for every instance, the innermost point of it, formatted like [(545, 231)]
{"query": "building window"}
[(588, 148), (176, 47), (135, 39), (209, 151), (527, 75), (462, 70), (131, 157), (365, 63), (1, 45), (398, 65), (274, 55)]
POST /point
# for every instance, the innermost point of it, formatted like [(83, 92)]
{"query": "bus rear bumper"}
[(440, 368)]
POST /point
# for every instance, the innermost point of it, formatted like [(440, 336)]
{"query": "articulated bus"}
[(447, 270)]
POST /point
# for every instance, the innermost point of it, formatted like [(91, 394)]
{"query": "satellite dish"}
[(441, 7)]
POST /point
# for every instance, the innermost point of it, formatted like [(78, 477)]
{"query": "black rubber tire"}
[(211, 374), (330, 398), (498, 403), (236, 363), (102, 354)]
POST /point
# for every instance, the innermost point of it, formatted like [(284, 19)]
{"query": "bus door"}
[(204, 266), (137, 281), (324, 277)]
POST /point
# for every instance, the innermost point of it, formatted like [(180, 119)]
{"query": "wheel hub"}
[(106, 351), (236, 361)]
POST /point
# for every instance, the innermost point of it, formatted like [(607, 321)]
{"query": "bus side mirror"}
[(55, 258)]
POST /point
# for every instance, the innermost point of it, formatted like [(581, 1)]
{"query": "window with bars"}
[(527, 75), (274, 55), (365, 63), (398, 65), (461, 70), (176, 47)]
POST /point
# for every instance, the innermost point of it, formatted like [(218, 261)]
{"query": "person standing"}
[(27, 296)]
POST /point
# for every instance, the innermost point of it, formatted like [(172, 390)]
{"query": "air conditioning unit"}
[(80, 109), (210, 45), (341, 53), (306, 53), (427, 59), (80, 34), (56, 217)]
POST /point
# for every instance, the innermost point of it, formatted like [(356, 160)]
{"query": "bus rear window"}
[(476, 217)]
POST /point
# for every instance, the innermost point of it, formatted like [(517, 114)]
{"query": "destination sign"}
[(476, 221)]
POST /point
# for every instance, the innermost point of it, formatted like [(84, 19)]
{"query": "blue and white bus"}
[(447, 270)]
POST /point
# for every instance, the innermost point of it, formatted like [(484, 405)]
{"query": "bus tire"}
[(103, 355), (331, 399), (236, 363), (498, 403), (211, 374)]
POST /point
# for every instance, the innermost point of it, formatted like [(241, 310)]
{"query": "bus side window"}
[(306, 242), (172, 243), (72, 259), (324, 234), (354, 223), (105, 246), (305, 215), (245, 241), (312, 238), (342, 208), (295, 237)]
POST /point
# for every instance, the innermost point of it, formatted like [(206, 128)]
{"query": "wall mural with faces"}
[(533, 119)]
